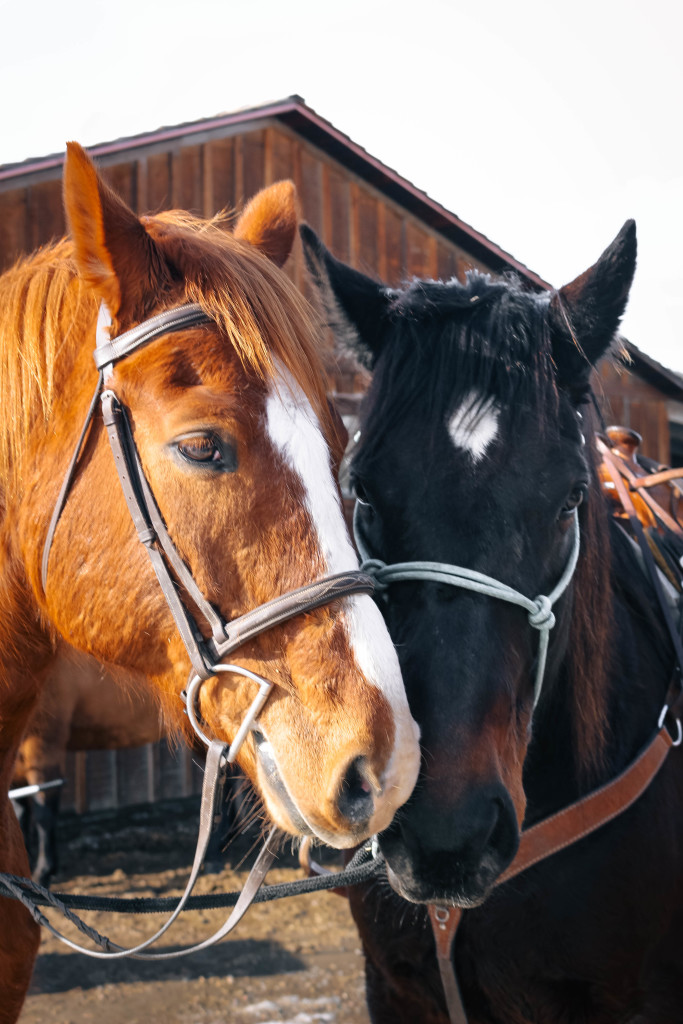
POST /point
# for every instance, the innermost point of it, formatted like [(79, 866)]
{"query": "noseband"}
[(539, 609), (207, 656)]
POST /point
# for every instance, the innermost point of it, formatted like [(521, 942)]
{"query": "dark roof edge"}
[(653, 372), (294, 113), (319, 131)]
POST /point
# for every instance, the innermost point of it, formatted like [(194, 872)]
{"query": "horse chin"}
[(282, 806), (457, 889)]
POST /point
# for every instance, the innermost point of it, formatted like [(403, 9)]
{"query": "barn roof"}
[(302, 119), (665, 380)]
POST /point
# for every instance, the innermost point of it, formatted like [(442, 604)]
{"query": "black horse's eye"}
[(573, 501), (207, 450), (360, 494)]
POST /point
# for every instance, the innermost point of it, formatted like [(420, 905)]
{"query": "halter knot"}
[(542, 617), (373, 567)]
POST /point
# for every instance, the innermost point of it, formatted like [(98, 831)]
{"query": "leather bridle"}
[(207, 656)]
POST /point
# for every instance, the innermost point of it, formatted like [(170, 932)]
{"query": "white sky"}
[(545, 125)]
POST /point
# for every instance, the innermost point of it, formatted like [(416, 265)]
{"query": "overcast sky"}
[(544, 125)]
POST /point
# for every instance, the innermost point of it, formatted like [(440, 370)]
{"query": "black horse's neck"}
[(619, 658)]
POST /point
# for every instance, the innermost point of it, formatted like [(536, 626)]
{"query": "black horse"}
[(477, 451)]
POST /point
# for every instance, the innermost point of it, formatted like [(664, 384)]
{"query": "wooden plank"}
[(420, 255), (100, 783), (151, 774), (81, 781), (221, 167), (45, 213), (394, 248), (14, 233), (381, 266), (309, 183), (446, 261), (187, 179), (279, 161), (337, 213), (123, 179), (365, 231), (208, 204), (132, 776), (253, 163), (158, 182), (141, 186)]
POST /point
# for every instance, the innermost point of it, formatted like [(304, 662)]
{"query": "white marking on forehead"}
[(474, 424), (295, 431)]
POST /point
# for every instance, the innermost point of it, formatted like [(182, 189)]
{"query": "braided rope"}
[(539, 609), (360, 869)]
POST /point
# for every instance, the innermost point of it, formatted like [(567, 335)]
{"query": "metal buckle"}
[(191, 693), (662, 718)]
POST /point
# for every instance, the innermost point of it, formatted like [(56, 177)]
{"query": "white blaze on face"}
[(295, 432), (474, 425)]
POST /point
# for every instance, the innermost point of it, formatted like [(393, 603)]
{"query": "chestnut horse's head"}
[(473, 454), (239, 448)]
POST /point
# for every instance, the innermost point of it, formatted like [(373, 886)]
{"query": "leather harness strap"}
[(546, 838)]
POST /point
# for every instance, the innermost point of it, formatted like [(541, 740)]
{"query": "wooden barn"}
[(369, 216)]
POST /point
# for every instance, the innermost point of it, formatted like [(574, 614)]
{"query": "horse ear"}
[(113, 251), (585, 315), (269, 221), (356, 307)]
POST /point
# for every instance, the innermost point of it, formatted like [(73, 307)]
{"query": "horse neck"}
[(597, 713)]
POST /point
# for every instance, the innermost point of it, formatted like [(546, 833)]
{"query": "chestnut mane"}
[(45, 310)]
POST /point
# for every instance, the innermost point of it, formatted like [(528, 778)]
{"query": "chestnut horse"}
[(229, 418), (476, 468)]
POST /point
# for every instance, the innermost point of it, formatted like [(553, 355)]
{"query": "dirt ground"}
[(295, 961)]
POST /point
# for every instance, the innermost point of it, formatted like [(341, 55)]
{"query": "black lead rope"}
[(362, 868)]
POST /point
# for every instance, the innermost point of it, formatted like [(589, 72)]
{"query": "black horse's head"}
[(472, 453)]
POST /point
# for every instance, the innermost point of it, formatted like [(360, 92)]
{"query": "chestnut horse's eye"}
[(575, 498), (207, 450)]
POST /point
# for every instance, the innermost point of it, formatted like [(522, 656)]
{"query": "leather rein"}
[(207, 656), (579, 819)]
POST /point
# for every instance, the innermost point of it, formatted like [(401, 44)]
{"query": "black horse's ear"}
[(355, 306), (585, 315)]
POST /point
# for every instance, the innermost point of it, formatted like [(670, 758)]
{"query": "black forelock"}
[(446, 339)]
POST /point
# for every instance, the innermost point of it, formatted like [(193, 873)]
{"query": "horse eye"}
[(200, 449), (361, 494), (573, 501)]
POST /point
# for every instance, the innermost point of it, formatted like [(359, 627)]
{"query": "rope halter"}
[(539, 609)]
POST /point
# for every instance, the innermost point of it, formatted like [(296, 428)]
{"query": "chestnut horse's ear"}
[(585, 315), (269, 221), (112, 250), (356, 307)]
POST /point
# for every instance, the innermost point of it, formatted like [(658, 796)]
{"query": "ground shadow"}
[(63, 972)]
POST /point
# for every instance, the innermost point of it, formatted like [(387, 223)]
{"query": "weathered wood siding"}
[(629, 401), (357, 222)]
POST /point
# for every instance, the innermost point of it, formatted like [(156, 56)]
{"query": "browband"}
[(177, 319)]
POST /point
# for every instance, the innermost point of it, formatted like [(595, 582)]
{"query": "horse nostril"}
[(356, 800)]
